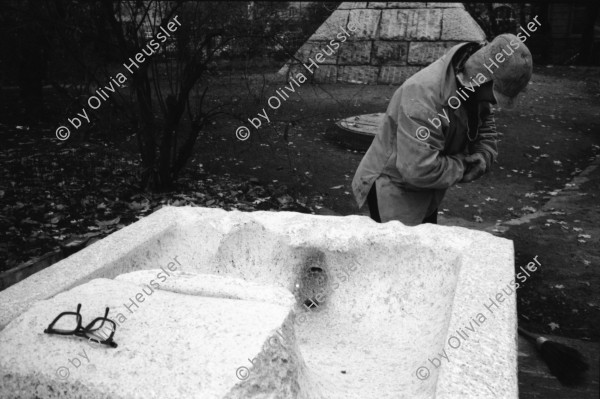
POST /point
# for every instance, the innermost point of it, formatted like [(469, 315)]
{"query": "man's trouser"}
[(387, 201)]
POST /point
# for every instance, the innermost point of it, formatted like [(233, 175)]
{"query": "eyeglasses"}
[(70, 323)]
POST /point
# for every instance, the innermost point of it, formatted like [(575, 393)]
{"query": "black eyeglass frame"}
[(85, 332)]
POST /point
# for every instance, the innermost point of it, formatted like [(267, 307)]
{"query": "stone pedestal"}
[(364, 310)]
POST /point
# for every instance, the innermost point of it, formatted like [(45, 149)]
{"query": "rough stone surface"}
[(169, 346), (392, 28), (394, 24), (356, 53), (377, 4), (326, 74), (366, 22), (350, 5), (210, 285), (458, 25), (402, 4), (389, 53), (357, 74), (395, 296), (424, 24), (395, 74), (445, 5), (421, 53)]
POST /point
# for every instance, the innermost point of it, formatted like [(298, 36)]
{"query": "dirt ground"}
[(547, 142)]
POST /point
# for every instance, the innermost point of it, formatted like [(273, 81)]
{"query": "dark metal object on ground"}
[(357, 132), (567, 364)]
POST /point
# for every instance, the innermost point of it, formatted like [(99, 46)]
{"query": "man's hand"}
[(476, 167)]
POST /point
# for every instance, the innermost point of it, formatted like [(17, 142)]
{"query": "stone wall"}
[(391, 41)]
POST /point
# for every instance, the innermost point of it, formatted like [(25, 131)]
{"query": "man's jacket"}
[(427, 160)]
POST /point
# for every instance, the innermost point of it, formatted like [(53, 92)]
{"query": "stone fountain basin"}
[(393, 301)]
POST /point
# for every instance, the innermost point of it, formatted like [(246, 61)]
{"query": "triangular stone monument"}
[(391, 41)]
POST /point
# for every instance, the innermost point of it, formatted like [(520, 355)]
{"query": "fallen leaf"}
[(286, 199), (108, 222)]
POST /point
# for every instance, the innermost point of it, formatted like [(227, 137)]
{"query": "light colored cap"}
[(508, 63)]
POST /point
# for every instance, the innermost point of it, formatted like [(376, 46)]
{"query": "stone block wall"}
[(391, 41)]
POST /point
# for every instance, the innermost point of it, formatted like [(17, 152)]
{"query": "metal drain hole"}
[(314, 283)]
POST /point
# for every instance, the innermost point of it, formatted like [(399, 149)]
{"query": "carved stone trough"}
[(216, 304)]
